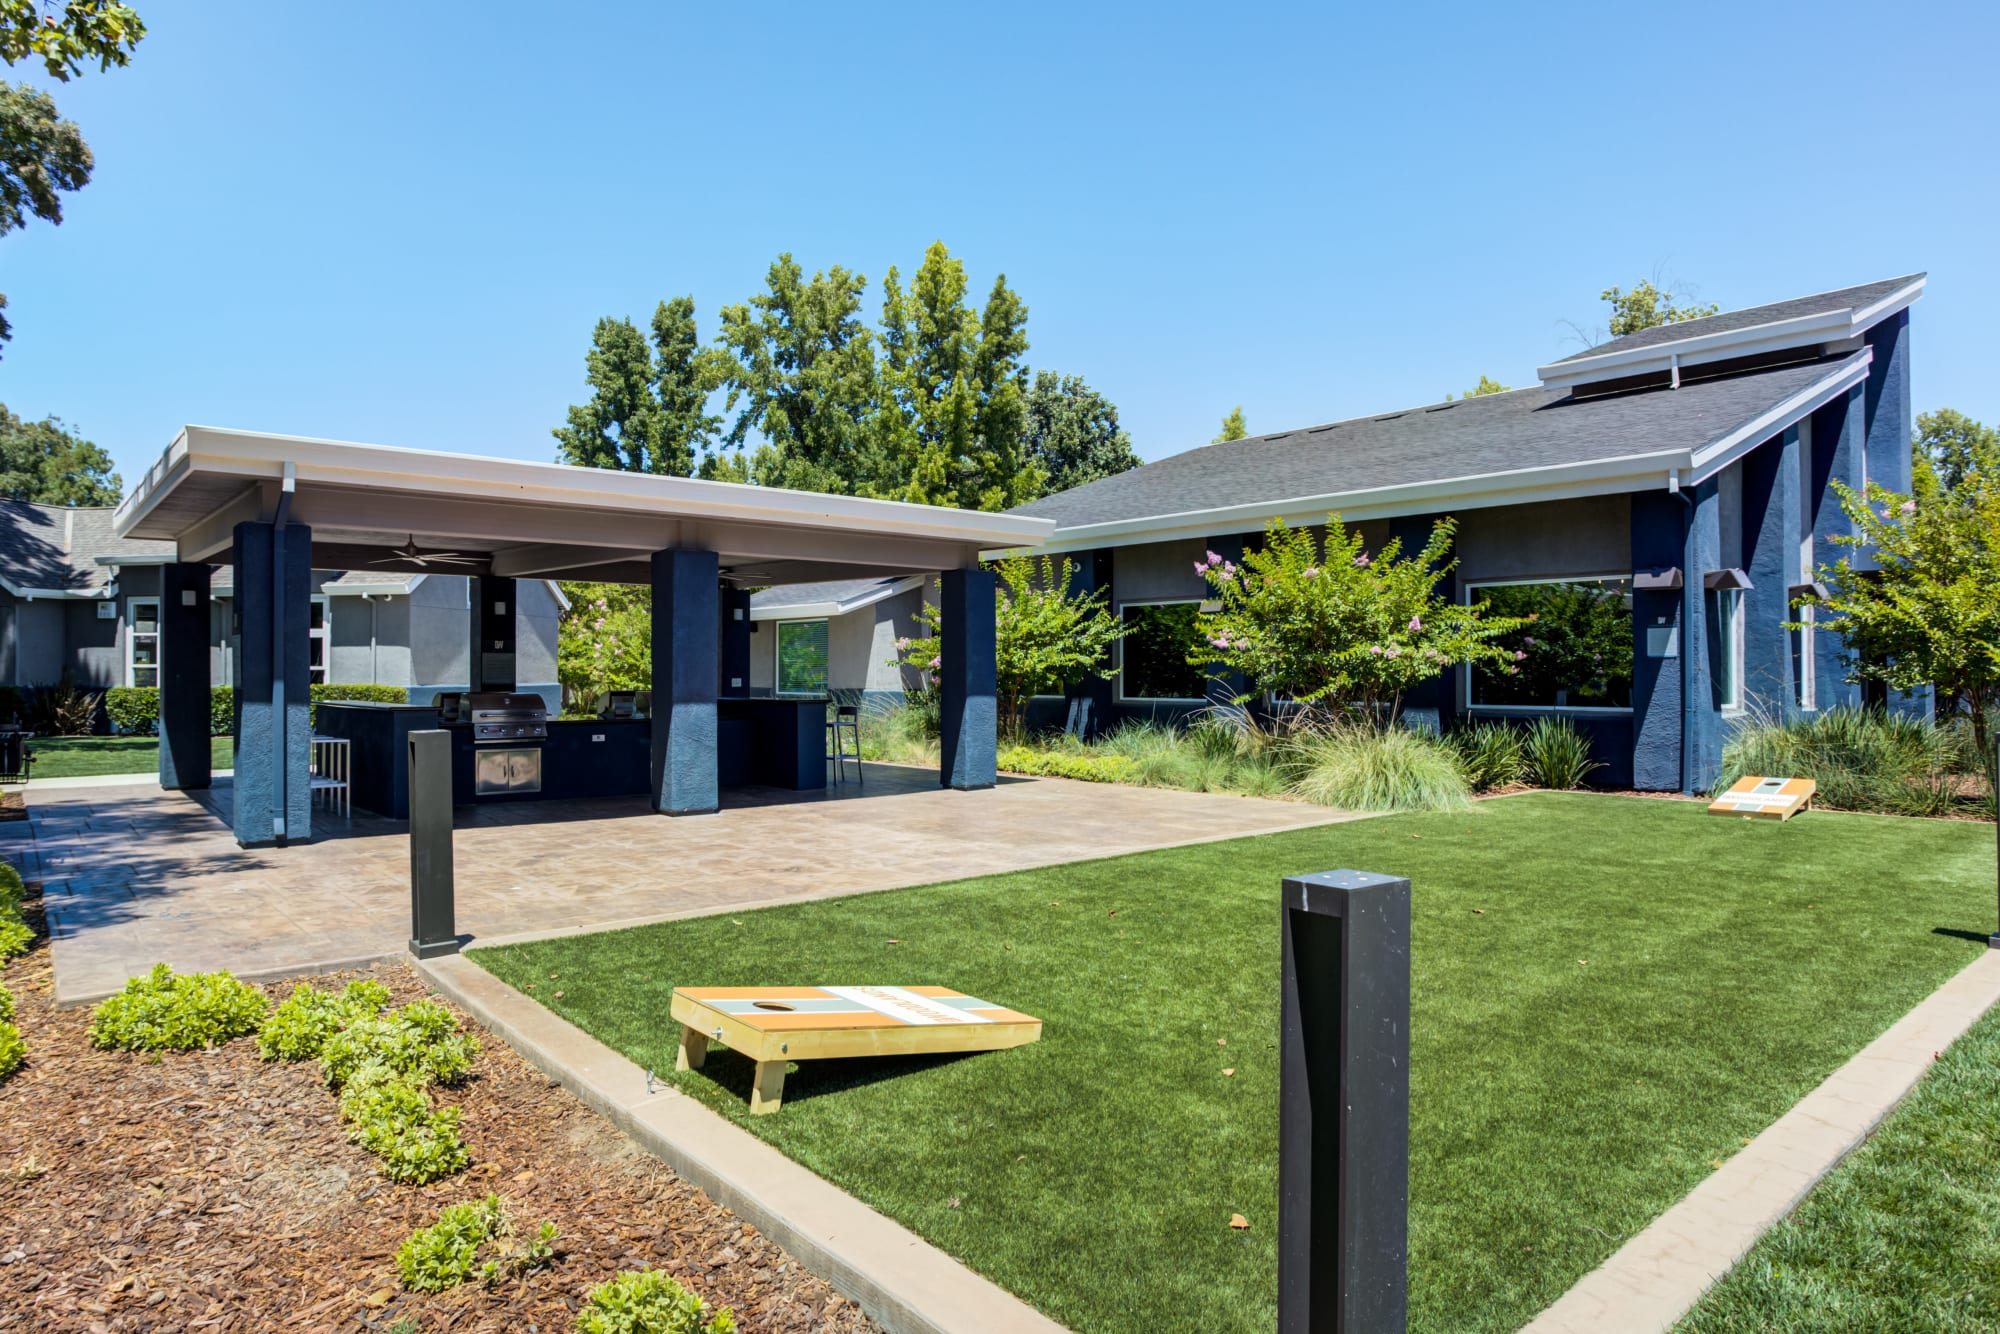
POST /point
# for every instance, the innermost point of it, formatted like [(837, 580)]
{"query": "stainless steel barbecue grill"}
[(508, 732)]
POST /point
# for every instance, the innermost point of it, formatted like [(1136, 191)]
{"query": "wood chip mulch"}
[(211, 1191)]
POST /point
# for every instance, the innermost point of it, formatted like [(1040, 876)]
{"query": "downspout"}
[(1690, 608), (282, 727)]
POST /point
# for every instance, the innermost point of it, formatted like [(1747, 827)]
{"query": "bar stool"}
[(332, 758), (846, 718)]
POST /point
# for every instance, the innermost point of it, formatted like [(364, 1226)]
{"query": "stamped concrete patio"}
[(133, 875)]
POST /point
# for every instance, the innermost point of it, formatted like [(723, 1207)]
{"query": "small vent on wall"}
[(1320, 430), (1392, 416), (1442, 407)]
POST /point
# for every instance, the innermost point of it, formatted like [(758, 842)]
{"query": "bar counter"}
[(761, 741)]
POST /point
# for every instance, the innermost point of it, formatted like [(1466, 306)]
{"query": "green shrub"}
[(446, 1253), (301, 1026), (901, 733), (1861, 759), (1359, 767), (389, 1114), (221, 710), (1556, 755), (1089, 768), (419, 1039), (649, 1301), (1491, 754), (12, 892), (15, 938), (6, 1004), (133, 710), (369, 694), (13, 1051), (163, 1011)]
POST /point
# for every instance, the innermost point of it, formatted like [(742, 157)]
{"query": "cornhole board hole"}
[(773, 1025), (1765, 798)]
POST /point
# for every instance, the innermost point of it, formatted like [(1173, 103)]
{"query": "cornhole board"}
[(1765, 798), (773, 1025)]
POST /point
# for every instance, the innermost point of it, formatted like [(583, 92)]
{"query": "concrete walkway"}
[(133, 875), (1654, 1279)]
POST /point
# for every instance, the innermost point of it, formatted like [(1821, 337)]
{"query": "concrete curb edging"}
[(1658, 1276), (906, 1284)]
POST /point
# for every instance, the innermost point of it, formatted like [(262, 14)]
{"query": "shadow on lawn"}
[(733, 1072), (1958, 933)]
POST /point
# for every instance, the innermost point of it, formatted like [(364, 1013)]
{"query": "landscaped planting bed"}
[(211, 1189), (1611, 996)]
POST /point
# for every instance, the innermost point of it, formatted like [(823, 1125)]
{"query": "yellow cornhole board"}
[(1765, 798), (773, 1025)]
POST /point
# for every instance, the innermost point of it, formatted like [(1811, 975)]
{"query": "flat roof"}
[(367, 503)]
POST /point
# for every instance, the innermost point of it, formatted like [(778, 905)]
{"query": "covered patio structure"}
[(277, 507)]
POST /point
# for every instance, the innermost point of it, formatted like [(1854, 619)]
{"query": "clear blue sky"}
[(398, 223)]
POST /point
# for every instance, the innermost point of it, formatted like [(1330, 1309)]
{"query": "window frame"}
[(1466, 668), (132, 639), (778, 659), (1806, 682), (324, 634), (1118, 692)]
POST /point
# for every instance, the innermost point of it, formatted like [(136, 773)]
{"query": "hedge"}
[(135, 710)]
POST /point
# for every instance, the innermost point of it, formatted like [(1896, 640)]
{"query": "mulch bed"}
[(214, 1191)]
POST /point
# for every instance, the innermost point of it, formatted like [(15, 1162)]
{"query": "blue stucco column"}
[(184, 714), (1886, 405), (736, 642), (490, 658), (687, 623), (1432, 703), (1772, 531), (273, 793), (1836, 455), (1701, 709), (1676, 722), (969, 737), (1089, 700)]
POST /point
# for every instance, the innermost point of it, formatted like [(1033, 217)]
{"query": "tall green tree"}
[(50, 462), (648, 407), (43, 156), (952, 401), (800, 369), (1954, 443), (1487, 385), (1072, 433), (1233, 427), (1647, 306)]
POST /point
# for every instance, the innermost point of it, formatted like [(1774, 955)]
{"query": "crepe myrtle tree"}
[(1926, 615), (1049, 636), (1325, 622), (605, 640)]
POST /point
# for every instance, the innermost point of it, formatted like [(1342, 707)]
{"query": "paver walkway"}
[(134, 875)]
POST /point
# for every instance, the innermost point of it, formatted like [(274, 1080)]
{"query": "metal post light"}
[(432, 930), (1344, 1105)]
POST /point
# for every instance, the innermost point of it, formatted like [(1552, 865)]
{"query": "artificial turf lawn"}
[(1904, 1235), (1609, 995), (90, 756)]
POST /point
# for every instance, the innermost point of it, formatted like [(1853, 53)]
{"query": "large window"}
[(801, 657), (1729, 643), (142, 641), (1576, 653), (1153, 654)]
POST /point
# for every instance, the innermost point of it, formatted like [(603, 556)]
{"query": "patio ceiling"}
[(539, 520)]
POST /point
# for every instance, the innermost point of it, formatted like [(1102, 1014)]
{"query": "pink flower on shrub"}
[(902, 644), (1200, 568), (1361, 561), (1395, 651), (1220, 641), (1213, 559), (937, 680), (1909, 507), (1416, 625), (937, 662), (1520, 655), (1229, 568), (1375, 649), (1529, 640), (1312, 572), (1513, 671)]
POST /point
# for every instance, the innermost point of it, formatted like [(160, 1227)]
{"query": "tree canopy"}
[(1647, 306), (1487, 385), (100, 30), (1954, 443), (1232, 426), (649, 404), (1071, 432), (49, 462)]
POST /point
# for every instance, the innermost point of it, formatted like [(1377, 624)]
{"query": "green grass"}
[(89, 756), (1609, 995), (1904, 1235)]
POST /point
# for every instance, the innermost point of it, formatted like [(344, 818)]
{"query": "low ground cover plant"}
[(168, 1011), (447, 1252), (420, 1041), (15, 937), (1866, 760), (650, 1301), (299, 1028), (390, 1115), (6, 1003), (13, 1051)]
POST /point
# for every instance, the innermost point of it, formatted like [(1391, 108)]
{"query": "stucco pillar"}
[(491, 659), (1701, 712), (184, 713), (687, 619), (1836, 456), (1771, 536), (1089, 700), (735, 642), (969, 740), (1886, 403), (1659, 524), (272, 786)]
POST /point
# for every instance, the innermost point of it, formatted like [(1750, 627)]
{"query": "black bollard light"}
[(1344, 1105), (432, 929)]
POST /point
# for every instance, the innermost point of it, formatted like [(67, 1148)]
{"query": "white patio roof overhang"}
[(521, 519)]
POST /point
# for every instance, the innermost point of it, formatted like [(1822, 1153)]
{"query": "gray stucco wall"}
[(440, 625), (39, 642), (368, 640), (1556, 538), (535, 618), (859, 646)]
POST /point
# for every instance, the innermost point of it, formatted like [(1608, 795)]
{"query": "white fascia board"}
[(168, 558), (59, 594), (1777, 335), (250, 454), (813, 611), (1712, 458)]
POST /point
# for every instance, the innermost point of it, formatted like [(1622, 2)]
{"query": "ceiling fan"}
[(412, 554)]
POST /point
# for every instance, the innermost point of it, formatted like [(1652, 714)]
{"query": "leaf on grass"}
[(1228, 1069), (1480, 911), (892, 941), (1222, 1042), (1239, 1222), (379, 1297), (558, 995)]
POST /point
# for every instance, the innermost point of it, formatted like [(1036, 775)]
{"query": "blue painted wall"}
[(273, 722), (687, 655), (969, 737), (1837, 455), (184, 693), (1772, 525)]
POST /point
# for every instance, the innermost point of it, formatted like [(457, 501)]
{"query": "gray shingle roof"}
[(1474, 437), (51, 547), (1825, 303), (847, 593)]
